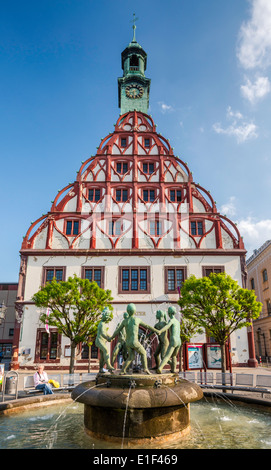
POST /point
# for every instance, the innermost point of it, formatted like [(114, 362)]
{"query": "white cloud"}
[(165, 107), (229, 208), (233, 114), (239, 127), (257, 90), (254, 233), (255, 36)]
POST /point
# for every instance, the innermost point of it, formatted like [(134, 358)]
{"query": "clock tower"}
[(133, 86)]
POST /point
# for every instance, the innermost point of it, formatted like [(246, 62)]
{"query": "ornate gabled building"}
[(134, 221)]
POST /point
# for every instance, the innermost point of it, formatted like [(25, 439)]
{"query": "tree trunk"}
[(89, 357), (223, 364), (72, 359)]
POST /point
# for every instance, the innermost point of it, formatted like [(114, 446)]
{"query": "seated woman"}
[(41, 381)]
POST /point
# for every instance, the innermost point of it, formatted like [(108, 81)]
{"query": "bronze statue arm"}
[(117, 330)]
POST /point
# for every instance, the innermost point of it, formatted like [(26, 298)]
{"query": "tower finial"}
[(134, 27)]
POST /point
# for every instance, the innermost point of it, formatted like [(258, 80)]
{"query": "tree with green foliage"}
[(75, 308), (219, 305)]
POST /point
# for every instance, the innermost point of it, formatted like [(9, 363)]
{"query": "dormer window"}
[(121, 195), (94, 194), (196, 227), (149, 195), (122, 168), (148, 168), (72, 227), (155, 227), (115, 228), (175, 195)]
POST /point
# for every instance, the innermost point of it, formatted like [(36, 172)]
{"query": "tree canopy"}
[(218, 304), (75, 308)]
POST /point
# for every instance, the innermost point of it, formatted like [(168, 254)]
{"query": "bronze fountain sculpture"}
[(135, 409)]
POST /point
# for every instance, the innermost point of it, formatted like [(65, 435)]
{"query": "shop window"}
[(93, 352)]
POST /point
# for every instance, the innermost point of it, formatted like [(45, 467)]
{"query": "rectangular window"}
[(94, 195), (115, 228), (121, 195), (174, 278), (47, 346), (149, 195), (123, 142), (53, 272), (268, 307), (147, 142), (265, 276), (122, 168), (72, 227), (148, 168), (252, 283), (175, 195), (134, 280), (93, 273), (207, 270), (93, 352), (196, 227), (155, 228)]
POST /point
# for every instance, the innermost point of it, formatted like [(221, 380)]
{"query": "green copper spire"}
[(134, 28), (133, 87)]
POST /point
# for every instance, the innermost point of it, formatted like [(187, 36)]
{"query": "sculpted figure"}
[(174, 341), (163, 337), (131, 325), (121, 344), (101, 341)]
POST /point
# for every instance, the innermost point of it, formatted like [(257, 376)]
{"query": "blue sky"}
[(210, 68)]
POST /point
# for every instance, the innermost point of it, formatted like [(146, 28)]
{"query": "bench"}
[(29, 386)]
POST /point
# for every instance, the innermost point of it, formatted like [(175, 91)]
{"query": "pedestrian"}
[(41, 381)]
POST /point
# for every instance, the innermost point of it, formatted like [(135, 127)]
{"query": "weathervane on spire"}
[(134, 26)]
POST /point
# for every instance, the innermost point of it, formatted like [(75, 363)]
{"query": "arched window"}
[(134, 62)]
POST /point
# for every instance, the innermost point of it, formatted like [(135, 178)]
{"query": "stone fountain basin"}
[(133, 409), (145, 391)]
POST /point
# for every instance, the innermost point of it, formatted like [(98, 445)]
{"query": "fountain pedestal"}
[(137, 408)]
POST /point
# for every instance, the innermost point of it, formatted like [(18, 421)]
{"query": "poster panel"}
[(213, 353), (195, 356)]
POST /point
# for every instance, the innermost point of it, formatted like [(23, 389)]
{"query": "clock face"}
[(134, 91)]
